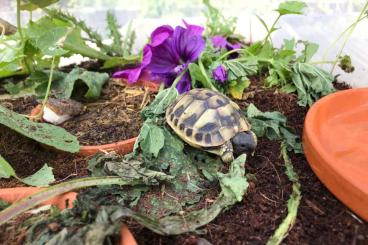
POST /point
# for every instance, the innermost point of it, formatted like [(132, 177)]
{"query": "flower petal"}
[(164, 59), (219, 41), (187, 45), (184, 84), (194, 29), (147, 56), (219, 74), (131, 74), (231, 46), (160, 34)]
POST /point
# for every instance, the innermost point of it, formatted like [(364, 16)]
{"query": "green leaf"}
[(196, 75), (151, 138), (273, 126), (32, 5), (291, 7), (162, 100), (240, 70), (237, 90), (216, 23), (42, 177), (233, 184), (46, 34), (121, 61), (44, 133), (311, 83), (94, 81), (114, 33), (6, 171)]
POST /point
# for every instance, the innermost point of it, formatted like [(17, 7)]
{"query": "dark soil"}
[(114, 117), (27, 156), (321, 219)]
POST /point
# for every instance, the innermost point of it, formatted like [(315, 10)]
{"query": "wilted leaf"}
[(291, 7), (237, 90), (94, 81), (44, 133), (233, 184), (311, 83), (345, 64), (273, 126)]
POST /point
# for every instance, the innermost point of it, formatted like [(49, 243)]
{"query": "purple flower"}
[(132, 75), (168, 54), (219, 74), (174, 53), (219, 42)]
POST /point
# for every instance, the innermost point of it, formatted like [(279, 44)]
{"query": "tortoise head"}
[(244, 142)]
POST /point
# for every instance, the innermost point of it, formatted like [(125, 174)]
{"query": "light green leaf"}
[(196, 75), (42, 177), (44, 133), (237, 90), (46, 33), (94, 80), (162, 100), (6, 171), (121, 61), (233, 184), (151, 138), (32, 5), (291, 7)]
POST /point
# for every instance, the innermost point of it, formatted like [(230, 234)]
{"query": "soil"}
[(113, 117), (321, 219)]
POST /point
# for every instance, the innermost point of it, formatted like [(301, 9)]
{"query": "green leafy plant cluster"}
[(284, 68), (60, 34)]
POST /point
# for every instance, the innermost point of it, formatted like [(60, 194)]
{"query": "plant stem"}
[(322, 62), (340, 36), (207, 83), (39, 115), (177, 79), (271, 29), (229, 52), (19, 27), (347, 36)]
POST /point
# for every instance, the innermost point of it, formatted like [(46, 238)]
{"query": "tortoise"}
[(210, 121)]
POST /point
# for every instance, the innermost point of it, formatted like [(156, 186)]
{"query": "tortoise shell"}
[(205, 118)]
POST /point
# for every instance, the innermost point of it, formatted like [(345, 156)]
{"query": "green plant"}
[(216, 23)]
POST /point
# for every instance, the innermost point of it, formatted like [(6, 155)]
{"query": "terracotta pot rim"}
[(341, 183), (15, 194), (122, 146)]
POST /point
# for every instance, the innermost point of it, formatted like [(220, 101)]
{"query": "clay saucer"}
[(335, 141)]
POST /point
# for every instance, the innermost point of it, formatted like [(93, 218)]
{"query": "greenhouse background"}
[(322, 23)]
